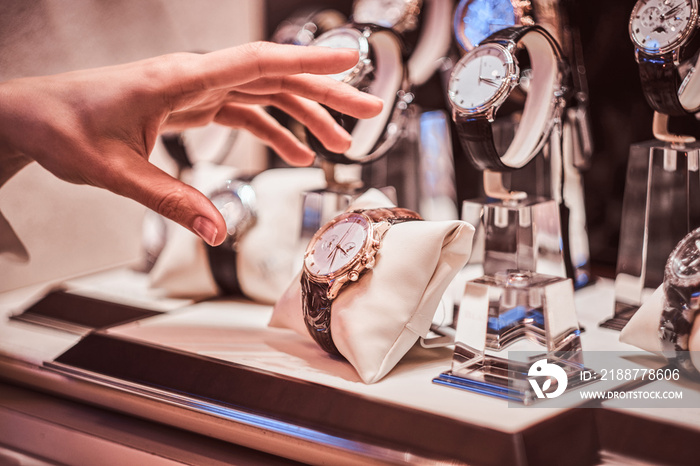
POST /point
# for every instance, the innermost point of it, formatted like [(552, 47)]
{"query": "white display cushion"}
[(642, 330), (377, 319), (182, 268), (266, 254)]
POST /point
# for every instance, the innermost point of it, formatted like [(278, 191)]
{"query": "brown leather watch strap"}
[(660, 82), (317, 313), (391, 214)]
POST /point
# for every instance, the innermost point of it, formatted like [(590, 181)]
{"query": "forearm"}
[(11, 159)]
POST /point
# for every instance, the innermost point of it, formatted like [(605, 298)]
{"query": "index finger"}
[(245, 63)]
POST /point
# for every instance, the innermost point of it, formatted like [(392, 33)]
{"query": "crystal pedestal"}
[(532, 311), (660, 207), (322, 205), (516, 234)]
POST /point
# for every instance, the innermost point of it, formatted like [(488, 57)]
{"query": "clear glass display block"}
[(556, 174), (420, 166), (322, 205), (518, 234), (661, 205), (522, 311)]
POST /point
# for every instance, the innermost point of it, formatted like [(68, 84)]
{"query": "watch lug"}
[(335, 287), (676, 57)]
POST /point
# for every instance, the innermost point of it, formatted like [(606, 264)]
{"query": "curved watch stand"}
[(433, 41), (372, 137)]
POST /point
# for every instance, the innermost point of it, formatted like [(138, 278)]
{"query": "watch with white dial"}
[(682, 298), (236, 202), (340, 252), (484, 78), (302, 27), (664, 33), (379, 71)]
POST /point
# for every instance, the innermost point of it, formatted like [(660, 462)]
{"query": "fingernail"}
[(206, 229), (340, 131)]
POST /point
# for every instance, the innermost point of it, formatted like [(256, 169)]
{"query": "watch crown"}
[(353, 275)]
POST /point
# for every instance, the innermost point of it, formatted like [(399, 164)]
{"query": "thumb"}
[(147, 184)]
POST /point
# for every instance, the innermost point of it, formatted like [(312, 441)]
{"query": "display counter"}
[(216, 369)]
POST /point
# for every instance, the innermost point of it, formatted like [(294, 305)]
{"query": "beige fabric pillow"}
[(377, 319)]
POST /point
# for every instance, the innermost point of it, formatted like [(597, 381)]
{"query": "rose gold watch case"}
[(363, 260)]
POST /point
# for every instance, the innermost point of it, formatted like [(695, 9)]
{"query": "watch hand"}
[(492, 82), (671, 11)]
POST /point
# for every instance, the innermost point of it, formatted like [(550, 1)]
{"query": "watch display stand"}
[(522, 311), (520, 233), (660, 206), (420, 166), (320, 205), (556, 174)]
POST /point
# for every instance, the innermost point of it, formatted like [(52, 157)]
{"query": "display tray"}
[(320, 413), (79, 314)]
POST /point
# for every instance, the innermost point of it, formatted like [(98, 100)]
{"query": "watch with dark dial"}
[(682, 298), (475, 20), (236, 202), (484, 78), (340, 252), (379, 71), (664, 33)]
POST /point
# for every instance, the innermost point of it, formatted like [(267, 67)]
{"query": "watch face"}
[(482, 78), (337, 245), (346, 38), (475, 20), (385, 13), (685, 261), (233, 204), (658, 26)]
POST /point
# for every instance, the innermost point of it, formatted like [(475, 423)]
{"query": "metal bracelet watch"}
[(665, 36), (236, 202), (340, 252), (379, 71), (682, 299), (484, 78)]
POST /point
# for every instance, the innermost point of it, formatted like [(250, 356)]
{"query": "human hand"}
[(99, 126)]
